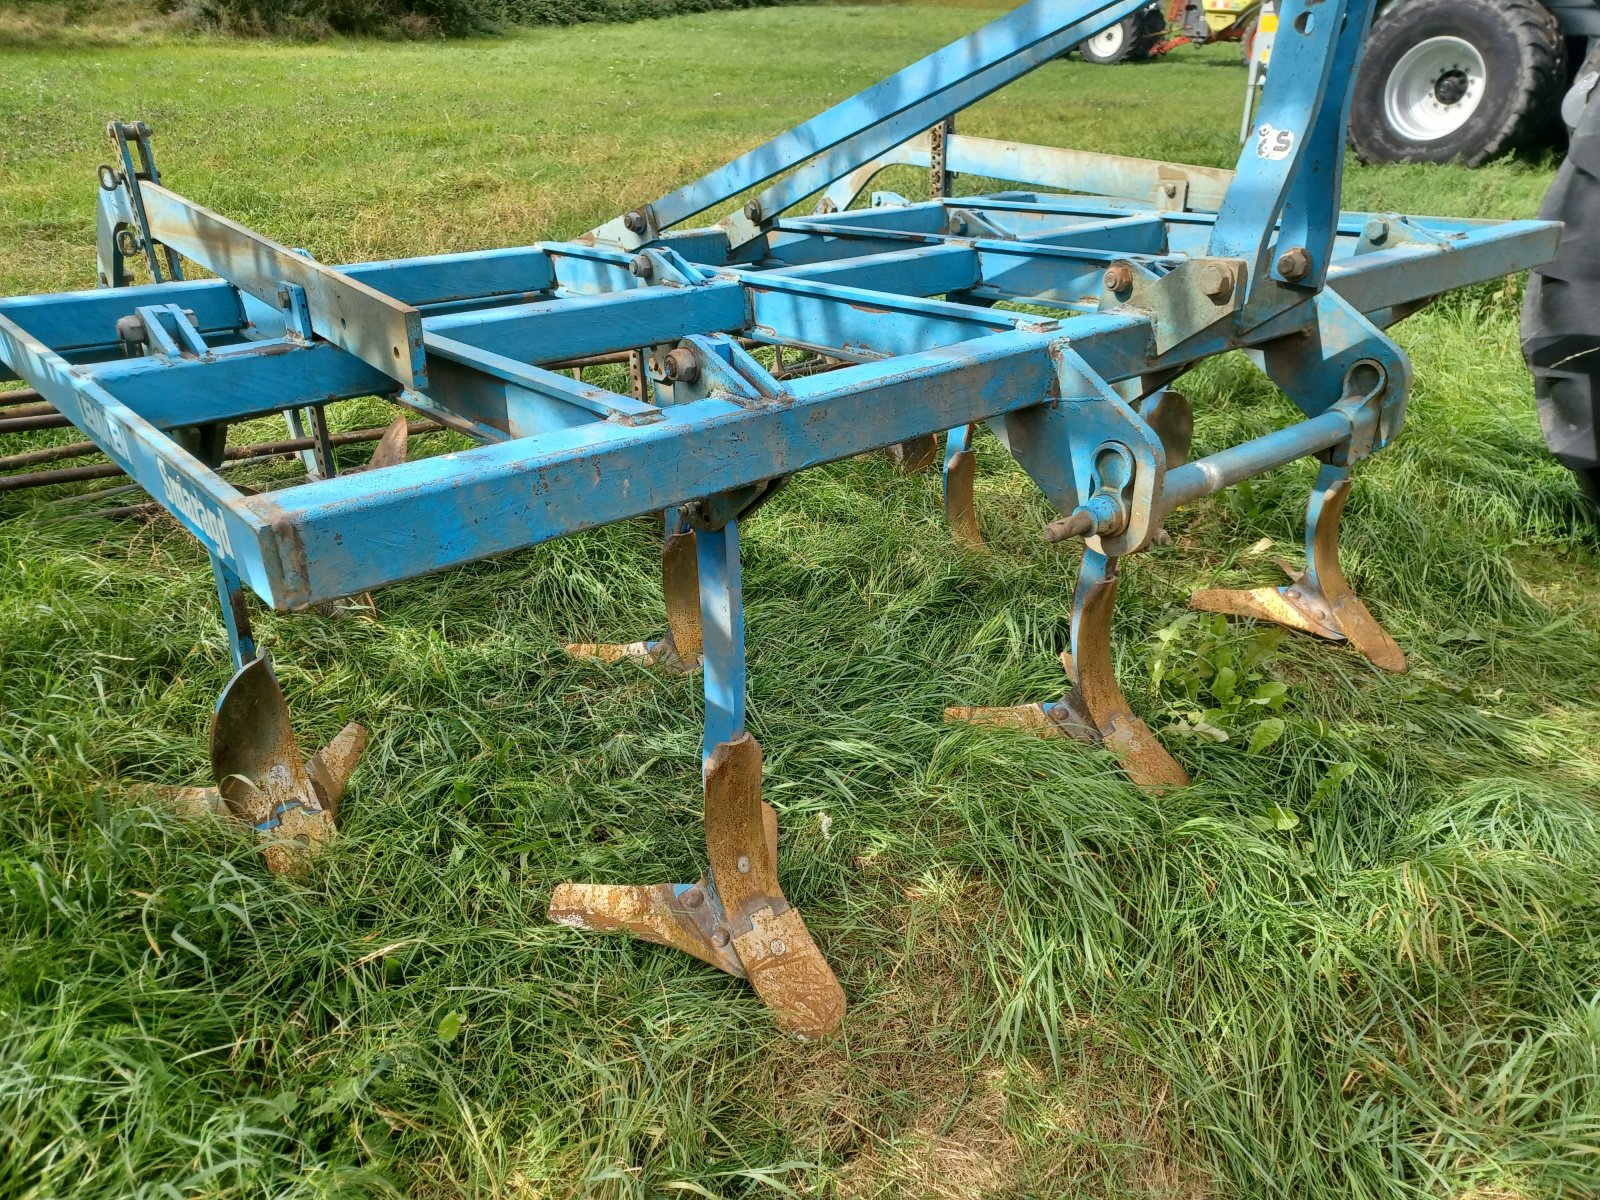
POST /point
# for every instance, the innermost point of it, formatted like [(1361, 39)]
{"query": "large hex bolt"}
[(1294, 263), (1216, 282), (1119, 277), (641, 267), (681, 366), (753, 211), (131, 330), (1376, 231), (634, 222)]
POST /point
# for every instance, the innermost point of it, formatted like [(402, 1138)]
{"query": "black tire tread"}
[(1144, 29), (1541, 75)]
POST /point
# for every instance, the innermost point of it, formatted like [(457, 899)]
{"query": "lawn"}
[(1361, 961)]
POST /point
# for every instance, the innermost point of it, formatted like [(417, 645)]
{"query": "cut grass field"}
[(1360, 961)]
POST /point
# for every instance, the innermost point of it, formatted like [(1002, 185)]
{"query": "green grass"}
[(1362, 962)]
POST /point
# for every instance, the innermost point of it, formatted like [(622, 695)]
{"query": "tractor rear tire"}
[(1129, 40), (1457, 81), (1561, 309)]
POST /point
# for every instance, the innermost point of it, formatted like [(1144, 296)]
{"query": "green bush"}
[(425, 18)]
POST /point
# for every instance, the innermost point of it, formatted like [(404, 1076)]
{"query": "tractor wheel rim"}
[(1435, 88), (1108, 41)]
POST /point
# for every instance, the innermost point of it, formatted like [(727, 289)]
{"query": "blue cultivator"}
[(763, 345)]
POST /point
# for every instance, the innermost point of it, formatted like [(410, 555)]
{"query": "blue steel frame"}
[(1140, 269)]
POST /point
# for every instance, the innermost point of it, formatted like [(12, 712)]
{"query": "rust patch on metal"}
[(1096, 700), (261, 778), (680, 586), (735, 917), (1031, 718), (331, 767), (391, 450), (1095, 711), (1318, 600), (785, 967), (660, 655), (653, 912), (960, 509), (915, 455)]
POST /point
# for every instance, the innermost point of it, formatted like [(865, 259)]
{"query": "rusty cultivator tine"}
[(960, 469), (678, 652), (1168, 413), (916, 455), (1095, 710), (736, 916), (392, 446), (262, 778), (1317, 600)]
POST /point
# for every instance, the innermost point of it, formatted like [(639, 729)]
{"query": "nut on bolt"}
[(1376, 231), (753, 211), (681, 366), (1216, 282), (1119, 277), (1293, 263), (131, 330), (641, 266), (634, 221)]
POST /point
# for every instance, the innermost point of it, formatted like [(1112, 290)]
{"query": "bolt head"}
[(641, 267), (1293, 263), (753, 211), (131, 329), (634, 222), (719, 938), (744, 864), (1216, 282), (1169, 190), (779, 946), (1119, 277), (694, 898), (1292, 593), (1376, 231), (681, 366)]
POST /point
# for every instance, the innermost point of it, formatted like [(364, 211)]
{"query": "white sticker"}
[(1273, 143)]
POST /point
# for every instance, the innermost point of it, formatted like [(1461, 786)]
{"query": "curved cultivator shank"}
[(1056, 315), (262, 778)]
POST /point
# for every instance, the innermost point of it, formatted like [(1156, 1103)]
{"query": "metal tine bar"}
[(700, 448), (983, 320), (547, 383), (1023, 244), (1080, 171), (986, 59)]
